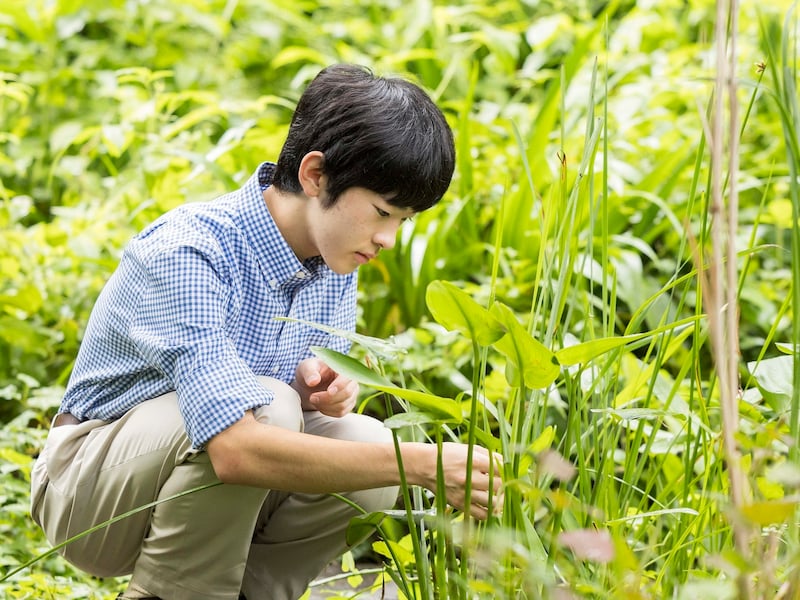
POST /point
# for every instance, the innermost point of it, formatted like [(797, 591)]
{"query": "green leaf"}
[(774, 379), (381, 347), (363, 526), (544, 441), (298, 54), (786, 348), (28, 299), (769, 513), (455, 310), (653, 513), (439, 406), (409, 419), (530, 357), (586, 351)]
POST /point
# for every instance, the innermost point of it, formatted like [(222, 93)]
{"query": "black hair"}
[(382, 134)]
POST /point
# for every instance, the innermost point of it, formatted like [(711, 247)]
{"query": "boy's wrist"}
[(419, 463)]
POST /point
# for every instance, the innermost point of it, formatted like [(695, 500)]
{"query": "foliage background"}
[(112, 112)]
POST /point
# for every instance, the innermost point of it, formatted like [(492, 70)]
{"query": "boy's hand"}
[(420, 460), (323, 389)]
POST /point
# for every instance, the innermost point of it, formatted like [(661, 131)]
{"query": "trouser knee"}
[(375, 500), (284, 411)]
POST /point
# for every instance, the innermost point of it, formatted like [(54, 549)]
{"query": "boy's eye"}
[(381, 212)]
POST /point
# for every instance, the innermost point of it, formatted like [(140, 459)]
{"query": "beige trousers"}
[(205, 545)]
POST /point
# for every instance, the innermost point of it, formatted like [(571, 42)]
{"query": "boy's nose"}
[(386, 237)]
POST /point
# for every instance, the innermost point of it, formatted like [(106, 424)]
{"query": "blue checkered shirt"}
[(191, 308)]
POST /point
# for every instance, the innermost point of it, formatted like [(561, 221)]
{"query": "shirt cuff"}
[(215, 396)]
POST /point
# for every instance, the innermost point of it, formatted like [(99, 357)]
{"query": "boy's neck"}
[(288, 210)]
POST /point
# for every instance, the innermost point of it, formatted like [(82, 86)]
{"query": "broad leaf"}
[(440, 407), (409, 419), (455, 310), (530, 357), (774, 377)]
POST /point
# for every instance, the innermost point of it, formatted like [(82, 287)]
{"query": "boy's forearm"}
[(254, 454)]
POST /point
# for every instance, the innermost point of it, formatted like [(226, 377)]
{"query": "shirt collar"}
[(278, 262)]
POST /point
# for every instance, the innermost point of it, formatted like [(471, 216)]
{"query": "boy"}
[(184, 378)]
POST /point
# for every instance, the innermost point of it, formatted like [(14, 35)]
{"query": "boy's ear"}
[(310, 174)]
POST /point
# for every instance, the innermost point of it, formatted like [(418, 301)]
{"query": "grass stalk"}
[(420, 557), (722, 300), (103, 525)]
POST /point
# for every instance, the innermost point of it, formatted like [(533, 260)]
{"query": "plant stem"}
[(723, 313)]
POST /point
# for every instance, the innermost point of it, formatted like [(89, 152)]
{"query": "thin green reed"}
[(784, 73), (578, 418), (103, 525)]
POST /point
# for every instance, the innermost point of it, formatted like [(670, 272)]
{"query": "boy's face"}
[(351, 232)]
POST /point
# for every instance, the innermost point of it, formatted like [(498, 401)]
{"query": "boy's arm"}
[(266, 456)]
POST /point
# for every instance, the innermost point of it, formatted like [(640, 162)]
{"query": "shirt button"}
[(275, 369), (300, 275), (273, 283)]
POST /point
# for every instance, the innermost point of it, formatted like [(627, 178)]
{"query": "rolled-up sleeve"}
[(180, 329)]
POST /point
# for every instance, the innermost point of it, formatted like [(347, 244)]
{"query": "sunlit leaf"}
[(786, 348), (587, 351), (544, 441), (785, 473), (27, 298), (654, 513), (770, 512), (455, 310), (537, 364), (295, 54)]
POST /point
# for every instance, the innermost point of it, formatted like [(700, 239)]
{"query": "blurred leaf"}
[(552, 464), (410, 419), (295, 54), (786, 348), (27, 299), (784, 473), (544, 441), (654, 513), (22, 335), (769, 513)]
